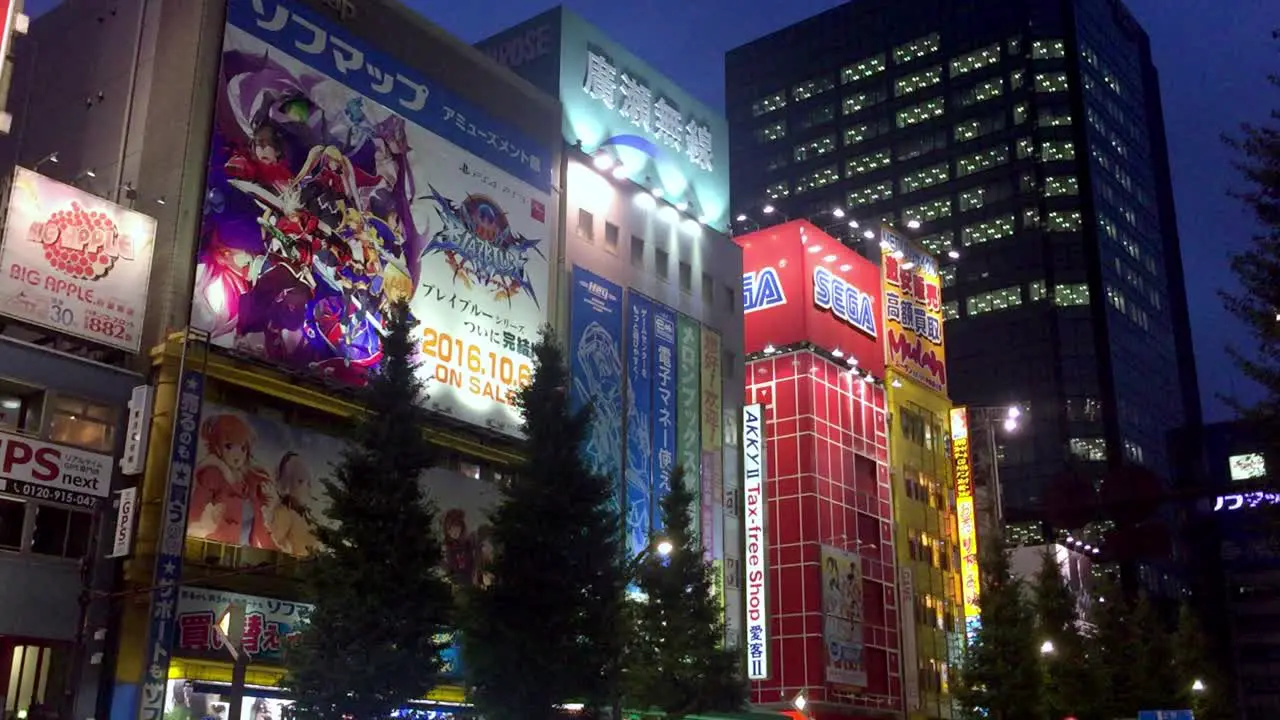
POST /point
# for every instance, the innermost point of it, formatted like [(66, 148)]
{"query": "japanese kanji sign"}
[(267, 623), (912, 312)]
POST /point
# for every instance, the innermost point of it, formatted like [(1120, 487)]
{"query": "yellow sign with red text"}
[(965, 515), (913, 318), (484, 374)]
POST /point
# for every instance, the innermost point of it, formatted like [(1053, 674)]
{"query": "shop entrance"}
[(31, 675)]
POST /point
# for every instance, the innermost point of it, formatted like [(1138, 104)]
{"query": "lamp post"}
[(988, 417)]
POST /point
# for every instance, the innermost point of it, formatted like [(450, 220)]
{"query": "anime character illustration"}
[(601, 381), (230, 492), (484, 548), (480, 246), (459, 555), (289, 519), (832, 589)]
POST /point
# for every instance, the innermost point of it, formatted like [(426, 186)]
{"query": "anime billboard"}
[(842, 617), (340, 182)]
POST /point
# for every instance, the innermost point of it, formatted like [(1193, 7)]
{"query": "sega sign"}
[(762, 290), (846, 302)]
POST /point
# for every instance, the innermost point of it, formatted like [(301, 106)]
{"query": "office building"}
[(1023, 144)]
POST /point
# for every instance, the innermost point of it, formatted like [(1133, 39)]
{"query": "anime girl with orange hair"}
[(230, 493)]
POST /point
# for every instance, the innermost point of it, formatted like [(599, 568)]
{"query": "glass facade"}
[(1028, 136)]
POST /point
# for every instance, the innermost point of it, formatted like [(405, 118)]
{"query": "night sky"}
[(1213, 57)]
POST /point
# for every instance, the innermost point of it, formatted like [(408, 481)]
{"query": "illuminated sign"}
[(846, 302), (1245, 501), (1247, 467), (965, 512), (753, 494), (762, 290), (912, 291)]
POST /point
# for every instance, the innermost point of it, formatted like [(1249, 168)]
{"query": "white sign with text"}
[(757, 546)]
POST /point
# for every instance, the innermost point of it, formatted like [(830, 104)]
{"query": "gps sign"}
[(47, 471)]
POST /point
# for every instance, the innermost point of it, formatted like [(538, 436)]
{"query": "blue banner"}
[(376, 75), (173, 532), (639, 421), (595, 346), (664, 408)]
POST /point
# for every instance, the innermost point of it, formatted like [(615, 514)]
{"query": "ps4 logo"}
[(846, 302), (761, 290)]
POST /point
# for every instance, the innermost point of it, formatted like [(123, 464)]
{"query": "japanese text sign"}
[(49, 471), (912, 312), (267, 623), (966, 521), (754, 481)]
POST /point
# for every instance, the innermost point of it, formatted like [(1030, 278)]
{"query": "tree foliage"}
[(1112, 641), (1193, 660), (1000, 678), (677, 661), (545, 631), (381, 601), (1070, 683), (1257, 268)]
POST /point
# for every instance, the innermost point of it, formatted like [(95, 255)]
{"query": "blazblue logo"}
[(480, 246)]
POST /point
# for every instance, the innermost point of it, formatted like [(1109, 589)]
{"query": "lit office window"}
[(818, 178), (947, 275), (862, 69), (931, 210), (975, 60), (951, 309), (938, 243), (908, 84), (778, 190), (986, 231), (1026, 148), (1091, 448), (1016, 79), (1071, 295), (1064, 220), (769, 103), (1051, 82), (772, 131), (1054, 117), (806, 90), (871, 194), (1116, 298), (918, 48), (867, 163), (919, 113), (866, 131), (1061, 185), (1047, 49), (972, 199), (815, 148), (862, 100), (1019, 113), (982, 160), (924, 177), (981, 92), (1133, 451), (1001, 299), (976, 128), (1035, 291), (1053, 150)]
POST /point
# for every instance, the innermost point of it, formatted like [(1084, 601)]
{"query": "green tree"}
[(1155, 679), (1114, 650), (1000, 678), (381, 600), (677, 661), (1212, 699), (1070, 687), (547, 629), (1257, 302)]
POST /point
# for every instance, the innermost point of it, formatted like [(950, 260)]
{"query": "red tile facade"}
[(828, 483)]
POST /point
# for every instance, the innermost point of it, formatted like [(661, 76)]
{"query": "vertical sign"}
[(596, 364), (910, 654), (173, 532), (664, 407), (126, 509), (757, 545), (689, 408), (712, 487), (639, 422), (967, 525), (912, 312)]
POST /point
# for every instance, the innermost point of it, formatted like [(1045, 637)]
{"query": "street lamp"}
[(1047, 648), (1197, 685), (664, 548), (1009, 417)]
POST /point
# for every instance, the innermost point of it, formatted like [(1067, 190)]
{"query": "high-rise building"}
[(1023, 144)]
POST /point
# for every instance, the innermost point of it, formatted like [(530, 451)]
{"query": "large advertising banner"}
[(639, 421), (712, 482), (912, 312), (966, 521), (595, 347), (689, 407), (74, 262), (267, 624), (339, 182), (664, 407), (842, 617)]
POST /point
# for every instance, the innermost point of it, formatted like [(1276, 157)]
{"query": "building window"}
[(21, 407), (938, 243), (972, 199), (1092, 448), (815, 148), (586, 225), (862, 100), (919, 145), (637, 250), (865, 131), (1116, 298), (871, 194), (978, 127), (708, 289), (611, 237), (1071, 295), (924, 177), (731, 297), (867, 163), (818, 178), (1054, 117), (947, 275), (1053, 150), (772, 131), (1064, 220), (908, 84), (662, 263), (818, 116), (1026, 147), (806, 90), (862, 69), (1001, 299), (918, 48), (1133, 451), (975, 60), (1051, 82), (951, 309), (60, 532), (982, 160), (769, 104), (1030, 217), (686, 277), (1061, 185), (1035, 291), (931, 210), (1048, 49), (83, 424), (778, 190), (983, 91), (916, 114), (987, 230), (13, 512)]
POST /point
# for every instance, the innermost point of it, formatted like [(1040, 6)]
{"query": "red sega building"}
[(815, 352)]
